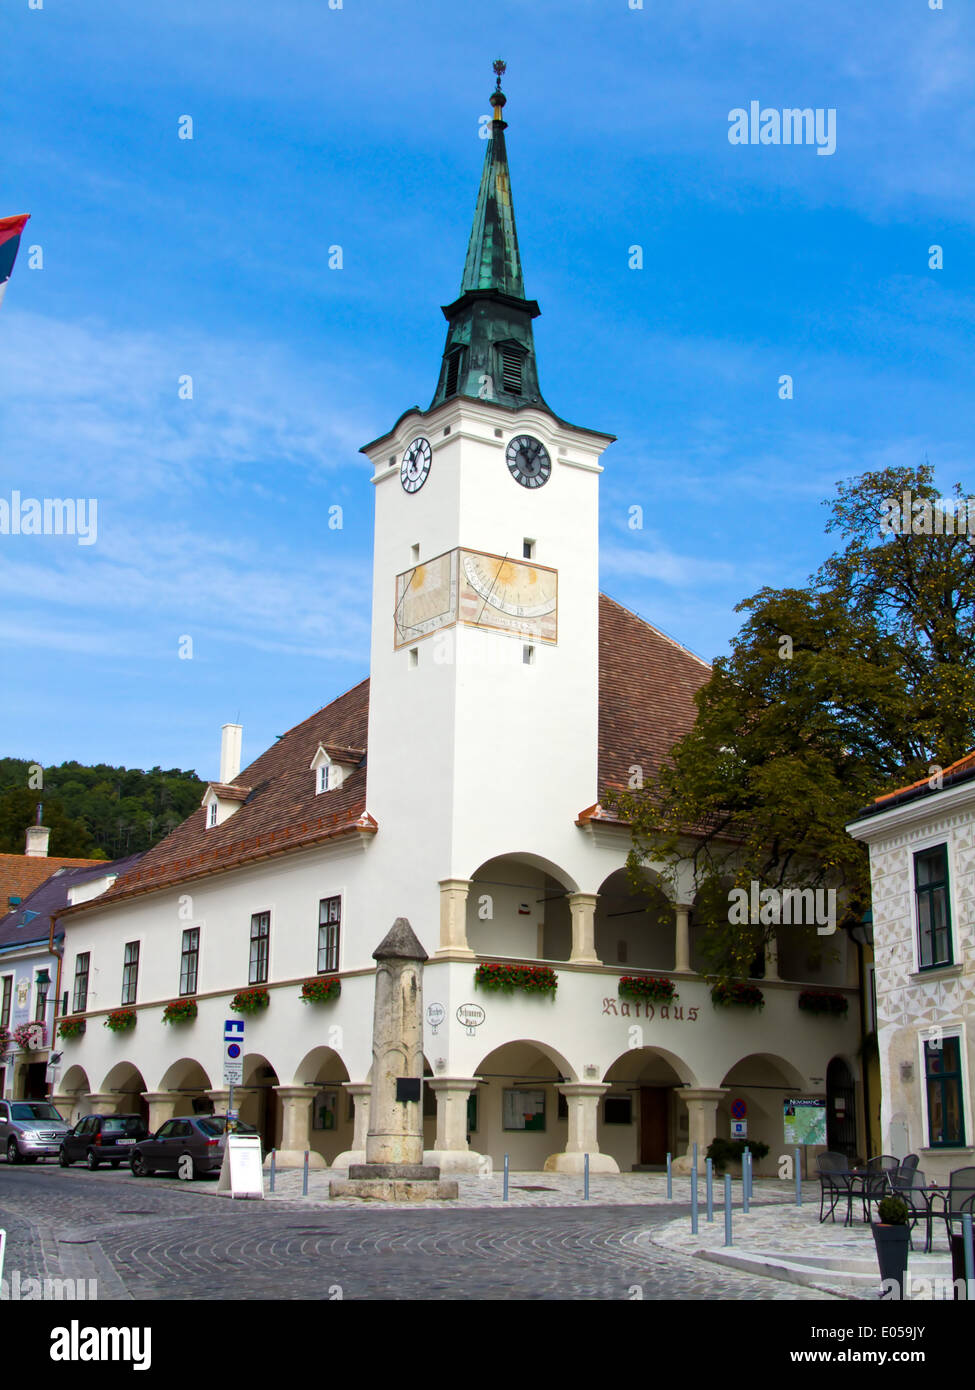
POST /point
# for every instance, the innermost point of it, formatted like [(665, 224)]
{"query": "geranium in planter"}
[(892, 1237), (647, 987), (250, 1001), (4, 1039), (71, 1027), (30, 1036), (731, 993), (533, 979), (823, 1001), (180, 1011), (121, 1020), (321, 990)]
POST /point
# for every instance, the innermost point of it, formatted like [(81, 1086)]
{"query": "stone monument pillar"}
[(394, 1170)]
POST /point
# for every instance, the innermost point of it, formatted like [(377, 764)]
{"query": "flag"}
[(10, 230)]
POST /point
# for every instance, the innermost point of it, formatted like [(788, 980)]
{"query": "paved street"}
[(161, 1239)]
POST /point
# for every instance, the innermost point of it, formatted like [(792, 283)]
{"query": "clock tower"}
[(484, 688)]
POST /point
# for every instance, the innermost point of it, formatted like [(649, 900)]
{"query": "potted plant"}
[(71, 1027), (250, 1001), (736, 993), (30, 1036), (892, 1237), (120, 1020), (180, 1011), (533, 979), (321, 990), (824, 1001), (721, 1152), (649, 987)]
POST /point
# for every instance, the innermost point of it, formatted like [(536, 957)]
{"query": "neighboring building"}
[(20, 874), (922, 869), (507, 696), (30, 969)]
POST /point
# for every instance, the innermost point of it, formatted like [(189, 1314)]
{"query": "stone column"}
[(451, 1152), (162, 1107), (360, 1092), (682, 937), (106, 1103), (453, 917), (582, 907), (221, 1099), (69, 1103), (583, 1101), (772, 957), (702, 1111), (296, 1102), (396, 1127)]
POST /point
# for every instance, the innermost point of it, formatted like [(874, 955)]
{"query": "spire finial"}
[(498, 98)]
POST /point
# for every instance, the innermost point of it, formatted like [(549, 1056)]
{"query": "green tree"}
[(858, 683)]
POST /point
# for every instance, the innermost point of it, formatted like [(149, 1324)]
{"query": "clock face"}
[(528, 461), (416, 465), (511, 595)]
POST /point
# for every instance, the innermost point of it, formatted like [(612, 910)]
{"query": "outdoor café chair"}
[(959, 1200), (875, 1183), (833, 1181)]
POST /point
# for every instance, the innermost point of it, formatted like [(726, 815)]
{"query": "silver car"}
[(30, 1129)]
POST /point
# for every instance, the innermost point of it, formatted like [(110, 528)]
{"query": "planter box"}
[(892, 1244)]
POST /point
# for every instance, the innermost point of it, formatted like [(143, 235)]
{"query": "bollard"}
[(727, 1209), (798, 1161), (585, 1181), (709, 1181), (304, 1177), (694, 1203), (273, 1156), (746, 1181), (966, 1231), (670, 1181), (504, 1195)]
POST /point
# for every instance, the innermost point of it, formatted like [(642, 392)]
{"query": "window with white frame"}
[(82, 967), (260, 948), (130, 972), (329, 927), (944, 1091), (8, 989), (932, 900), (189, 960), (212, 816)]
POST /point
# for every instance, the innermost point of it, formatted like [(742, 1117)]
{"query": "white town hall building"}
[(459, 787)]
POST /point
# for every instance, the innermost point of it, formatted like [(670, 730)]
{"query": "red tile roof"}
[(20, 874), (646, 702), (963, 764)]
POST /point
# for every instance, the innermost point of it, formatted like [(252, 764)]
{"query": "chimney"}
[(37, 838), (230, 738)]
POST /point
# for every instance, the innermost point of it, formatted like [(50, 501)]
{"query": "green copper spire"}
[(490, 349), (493, 262)]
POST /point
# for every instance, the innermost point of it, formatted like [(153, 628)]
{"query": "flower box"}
[(71, 1027), (735, 993), (121, 1020), (180, 1011), (813, 1001), (250, 1001), (533, 979), (647, 987), (31, 1037), (321, 990)]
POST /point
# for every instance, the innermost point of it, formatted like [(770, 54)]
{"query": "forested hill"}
[(94, 812)]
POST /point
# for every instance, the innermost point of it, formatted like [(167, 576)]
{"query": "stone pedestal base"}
[(411, 1172), (348, 1157), (576, 1164), (395, 1190), (295, 1158), (460, 1161)]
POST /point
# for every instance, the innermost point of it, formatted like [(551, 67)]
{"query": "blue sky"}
[(359, 127)]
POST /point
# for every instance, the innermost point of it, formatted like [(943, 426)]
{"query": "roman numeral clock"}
[(477, 588)]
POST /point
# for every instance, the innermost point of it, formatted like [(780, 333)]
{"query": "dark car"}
[(102, 1139), (199, 1136)]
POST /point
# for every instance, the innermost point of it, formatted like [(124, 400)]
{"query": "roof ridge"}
[(295, 727)]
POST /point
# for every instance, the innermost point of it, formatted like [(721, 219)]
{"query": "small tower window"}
[(414, 656), (511, 361), (528, 655), (528, 549), (453, 372)]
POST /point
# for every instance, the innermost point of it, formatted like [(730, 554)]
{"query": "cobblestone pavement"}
[(161, 1239)]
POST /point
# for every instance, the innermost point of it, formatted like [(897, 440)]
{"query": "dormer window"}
[(332, 764), (213, 814), (221, 800)]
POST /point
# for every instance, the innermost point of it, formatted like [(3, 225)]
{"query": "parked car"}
[(102, 1139), (30, 1129), (199, 1136)]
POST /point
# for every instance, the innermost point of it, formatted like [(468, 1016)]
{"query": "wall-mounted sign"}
[(739, 1129), (739, 1109), (436, 1013), (471, 1016), (804, 1121), (523, 1109), (629, 1008)]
